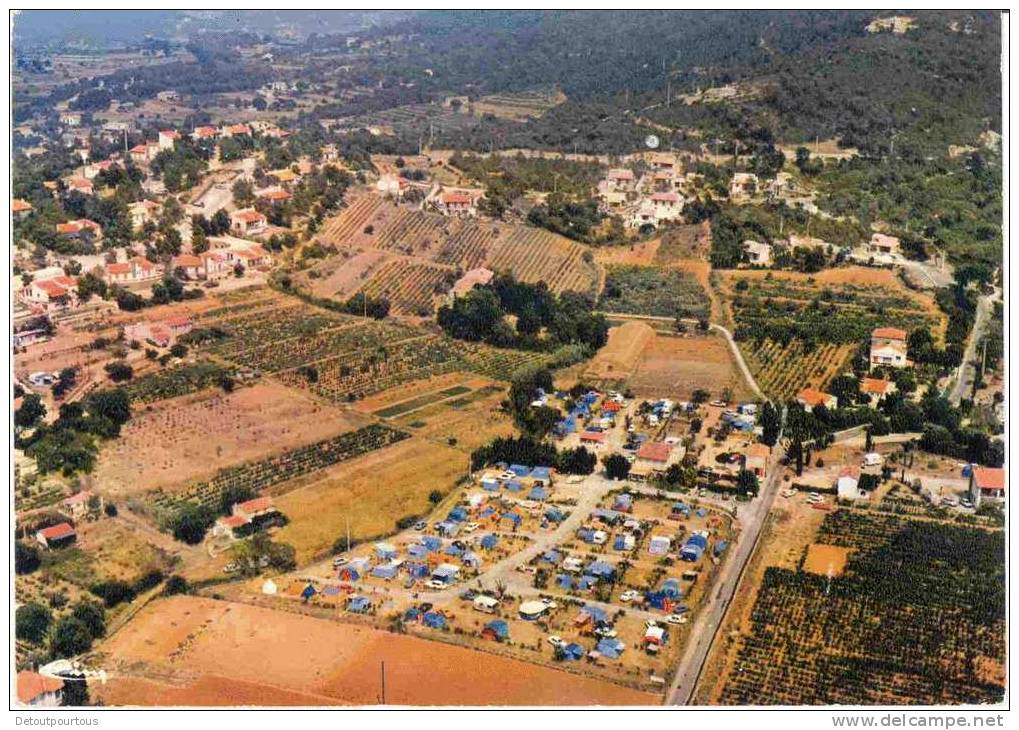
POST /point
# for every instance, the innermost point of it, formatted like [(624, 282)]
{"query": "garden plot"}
[(176, 381), (674, 366), (648, 290), (181, 440)]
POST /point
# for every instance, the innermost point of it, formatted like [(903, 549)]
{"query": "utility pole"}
[(383, 682)]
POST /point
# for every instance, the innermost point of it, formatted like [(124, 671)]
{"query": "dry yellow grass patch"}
[(826, 559)]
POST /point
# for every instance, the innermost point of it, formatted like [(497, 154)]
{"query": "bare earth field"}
[(676, 366), (185, 439), (343, 277), (372, 492), (637, 254), (620, 355), (826, 559), (215, 646)]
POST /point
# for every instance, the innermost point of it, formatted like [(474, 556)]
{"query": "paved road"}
[(712, 613), (967, 371)]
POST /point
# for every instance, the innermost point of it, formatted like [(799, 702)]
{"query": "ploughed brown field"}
[(196, 651)]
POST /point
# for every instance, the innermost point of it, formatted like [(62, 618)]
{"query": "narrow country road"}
[(712, 613), (967, 370)]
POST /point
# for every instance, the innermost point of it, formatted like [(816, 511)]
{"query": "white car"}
[(628, 596), (556, 641), (674, 619), (471, 526), (435, 585), (550, 604), (340, 560), (606, 633)]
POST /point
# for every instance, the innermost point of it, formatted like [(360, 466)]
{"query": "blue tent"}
[(610, 648), (418, 570), (597, 614), (680, 507), (513, 517), (656, 599), (519, 470), (417, 551), (720, 547), (457, 514), (564, 581), (553, 514), (624, 502), (600, 569), (514, 486), (434, 620), (573, 652), (385, 571), (454, 549), (552, 556), (498, 628), (385, 551), (471, 560), (449, 529), (541, 472), (619, 543), (538, 494), (432, 543), (671, 588), (489, 541), (361, 565), (586, 534), (308, 592), (701, 512), (487, 512), (412, 614), (585, 582), (693, 548), (358, 604), (490, 485)]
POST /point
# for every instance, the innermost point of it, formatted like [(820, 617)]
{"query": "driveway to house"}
[(967, 370)]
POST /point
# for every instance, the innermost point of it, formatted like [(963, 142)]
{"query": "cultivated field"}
[(917, 617), (190, 438), (530, 254), (653, 291), (370, 492), (676, 366), (184, 639)]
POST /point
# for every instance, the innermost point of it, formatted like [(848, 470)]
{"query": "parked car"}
[(606, 632), (435, 585), (676, 619), (468, 595), (556, 641), (420, 526), (966, 503), (680, 609), (471, 526), (340, 560), (550, 604), (628, 596)]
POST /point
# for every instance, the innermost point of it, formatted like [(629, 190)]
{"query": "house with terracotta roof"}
[(216, 265), (167, 138), (92, 171), (888, 347), (52, 294), (811, 398), (250, 256), (466, 283), (876, 389), (143, 212), (163, 333), (654, 457), (79, 185), (232, 130), (247, 221), (593, 437), (144, 152), (137, 269), (274, 196), (55, 536), (986, 483), (881, 243), (189, 264), (35, 690), (76, 507), (21, 209), (247, 517), (203, 133), (456, 202), (80, 228), (668, 206)]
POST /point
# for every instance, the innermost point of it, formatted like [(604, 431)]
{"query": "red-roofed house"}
[(657, 451), (80, 227), (252, 256), (58, 292), (79, 185), (76, 506), (254, 513), (275, 197), (987, 483), (217, 264), (190, 264), (247, 221), (888, 347), (456, 202), (811, 398), (21, 209), (140, 154), (56, 536), (593, 437), (231, 525), (201, 133), (36, 690), (653, 457), (163, 333), (235, 129), (876, 389), (881, 243), (167, 138), (142, 212)]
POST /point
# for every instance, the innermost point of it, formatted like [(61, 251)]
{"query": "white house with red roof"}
[(79, 228), (21, 209), (987, 483), (274, 196), (79, 185), (258, 510), (135, 270), (216, 265), (233, 130), (250, 256), (190, 265), (142, 212), (56, 536), (167, 139), (811, 398), (456, 202), (668, 206), (888, 347), (247, 221), (76, 507), (52, 294), (204, 133), (876, 389), (36, 690)]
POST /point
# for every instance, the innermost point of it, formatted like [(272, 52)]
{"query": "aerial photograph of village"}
[(510, 358)]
